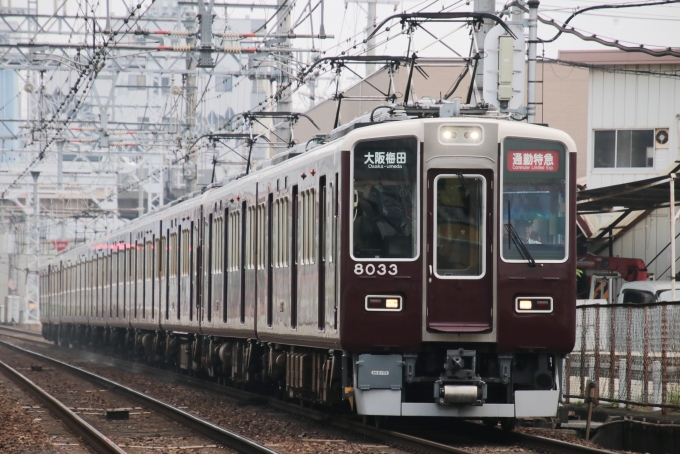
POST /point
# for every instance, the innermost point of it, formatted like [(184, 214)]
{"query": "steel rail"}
[(396, 438), (223, 436), (21, 331), (78, 426), (542, 444)]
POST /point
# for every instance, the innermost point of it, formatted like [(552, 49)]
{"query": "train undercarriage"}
[(439, 380)]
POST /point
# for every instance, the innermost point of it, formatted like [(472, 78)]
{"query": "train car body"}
[(423, 267)]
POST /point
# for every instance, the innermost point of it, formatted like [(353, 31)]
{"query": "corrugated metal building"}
[(633, 129)]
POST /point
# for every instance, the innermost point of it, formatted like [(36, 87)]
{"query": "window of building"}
[(135, 80), (223, 83), (623, 148)]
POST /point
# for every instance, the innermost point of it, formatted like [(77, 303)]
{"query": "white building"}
[(633, 131)]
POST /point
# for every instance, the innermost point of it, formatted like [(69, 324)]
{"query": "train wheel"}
[(508, 423), (490, 422), (380, 422)]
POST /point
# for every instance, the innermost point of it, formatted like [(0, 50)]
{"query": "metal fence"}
[(632, 350)]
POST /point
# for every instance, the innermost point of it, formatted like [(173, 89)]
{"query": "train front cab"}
[(488, 287)]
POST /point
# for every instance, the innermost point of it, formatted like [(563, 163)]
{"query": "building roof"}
[(615, 57)]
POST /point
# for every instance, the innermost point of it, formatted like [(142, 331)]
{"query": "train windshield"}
[(459, 220), (384, 199), (533, 202)]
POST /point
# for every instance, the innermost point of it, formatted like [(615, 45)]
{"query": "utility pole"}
[(531, 73), (190, 107), (371, 23), (370, 26), (283, 103), (32, 296), (482, 6)]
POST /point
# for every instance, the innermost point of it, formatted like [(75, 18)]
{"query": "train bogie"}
[(422, 267)]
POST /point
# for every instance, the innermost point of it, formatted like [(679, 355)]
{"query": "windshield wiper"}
[(523, 251), (465, 185), (519, 244)]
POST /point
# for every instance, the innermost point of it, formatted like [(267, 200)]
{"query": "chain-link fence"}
[(632, 350)]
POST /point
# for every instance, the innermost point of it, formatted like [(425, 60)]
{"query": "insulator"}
[(181, 47), (178, 33), (231, 49), (230, 35)]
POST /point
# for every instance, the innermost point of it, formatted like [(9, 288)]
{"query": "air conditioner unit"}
[(661, 138)]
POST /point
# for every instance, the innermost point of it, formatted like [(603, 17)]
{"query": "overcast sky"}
[(649, 25), (654, 26)]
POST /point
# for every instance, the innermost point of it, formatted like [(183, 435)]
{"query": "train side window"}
[(224, 264), (310, 222), (130, 268), (160, 254), (234, 240), (260, 250), (164, 256), (251, 237), (302, 237), (173, 254), (114, 278), (217, 245), (140, 264), (275, 233), (208, 249), (149, 260), (281, 226), (107, 270), (185, 257)]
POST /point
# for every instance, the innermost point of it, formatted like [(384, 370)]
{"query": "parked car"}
[(641, 292)]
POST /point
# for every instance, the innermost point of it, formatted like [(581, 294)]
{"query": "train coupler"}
[(460, 383)]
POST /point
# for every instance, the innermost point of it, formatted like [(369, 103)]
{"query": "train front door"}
[(459, 259)]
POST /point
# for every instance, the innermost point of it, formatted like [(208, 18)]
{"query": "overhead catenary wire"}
[(273, 98), (90, 76)]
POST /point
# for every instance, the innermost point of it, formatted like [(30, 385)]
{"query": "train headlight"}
[(392, 303), (525, 305), (533, 305), (460, 135)]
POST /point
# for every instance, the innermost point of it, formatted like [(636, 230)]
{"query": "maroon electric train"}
[(423, 267)]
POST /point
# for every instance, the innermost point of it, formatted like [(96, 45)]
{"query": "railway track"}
[(100, 442), (410, 439), (78, 426)]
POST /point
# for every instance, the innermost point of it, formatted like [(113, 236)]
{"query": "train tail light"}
[(383, 303), (533, 305)]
